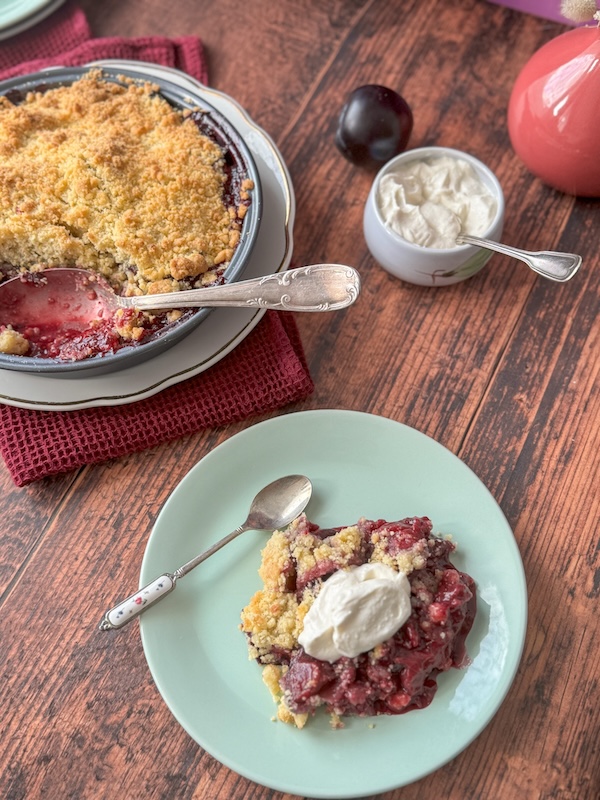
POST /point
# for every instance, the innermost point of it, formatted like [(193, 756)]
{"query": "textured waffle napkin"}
[(266, 371), (64, 39)]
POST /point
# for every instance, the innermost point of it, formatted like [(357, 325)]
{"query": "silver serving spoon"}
[(274, 507), (556, 266), (72, 298)]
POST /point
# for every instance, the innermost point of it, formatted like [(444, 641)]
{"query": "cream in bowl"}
[(420, 202)]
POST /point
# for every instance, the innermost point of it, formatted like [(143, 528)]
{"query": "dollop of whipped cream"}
[(429, 202), (356, 609)]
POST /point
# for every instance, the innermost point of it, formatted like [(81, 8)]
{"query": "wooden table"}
[(501, 369)]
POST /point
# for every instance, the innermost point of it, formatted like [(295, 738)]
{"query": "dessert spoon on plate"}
[(274, 507)]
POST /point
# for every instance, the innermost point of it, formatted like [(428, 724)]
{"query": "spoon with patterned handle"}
[(70, 298), (552, 265), (274, 507)]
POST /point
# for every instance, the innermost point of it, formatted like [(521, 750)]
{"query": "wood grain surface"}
[(502, 369)]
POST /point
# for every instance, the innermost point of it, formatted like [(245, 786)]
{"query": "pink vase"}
[(554, 113)]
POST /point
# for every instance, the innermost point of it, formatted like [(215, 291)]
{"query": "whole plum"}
[(374, 125)]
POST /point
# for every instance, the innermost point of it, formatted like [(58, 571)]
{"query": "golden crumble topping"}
[(111, 178), (403, 560), (275, 619), (276, 559), (309, 550)]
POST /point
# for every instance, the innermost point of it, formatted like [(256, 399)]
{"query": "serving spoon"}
[(556, 266), (274, 507), (76, 297)]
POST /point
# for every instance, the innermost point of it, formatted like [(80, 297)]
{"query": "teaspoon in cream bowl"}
[(273, 508), (552, 265)]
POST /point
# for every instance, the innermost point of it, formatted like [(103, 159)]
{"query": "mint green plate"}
[(13, 11), (360, 465)]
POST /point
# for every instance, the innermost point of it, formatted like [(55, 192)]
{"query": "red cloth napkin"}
[(64, 39), (266, 371)]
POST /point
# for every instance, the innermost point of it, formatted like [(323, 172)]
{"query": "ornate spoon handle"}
[(319, 287), (129, 609), (548, 263)]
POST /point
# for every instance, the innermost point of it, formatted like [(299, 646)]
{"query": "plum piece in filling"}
[(394, 676)]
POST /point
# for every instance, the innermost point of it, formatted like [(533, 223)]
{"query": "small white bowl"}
[(429, 266)]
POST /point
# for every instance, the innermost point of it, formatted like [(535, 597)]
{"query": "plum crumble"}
[(398, 674), (110, 177)]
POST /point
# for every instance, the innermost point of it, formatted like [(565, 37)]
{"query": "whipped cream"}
[(429, 202), (356, 609)]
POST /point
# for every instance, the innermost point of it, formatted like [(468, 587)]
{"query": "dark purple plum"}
[(375, 125)]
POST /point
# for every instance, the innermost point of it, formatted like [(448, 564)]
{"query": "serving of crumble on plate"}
[(399, 673)]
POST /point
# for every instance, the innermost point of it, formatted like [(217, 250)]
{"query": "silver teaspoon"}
[(556, 266), (274, 507)]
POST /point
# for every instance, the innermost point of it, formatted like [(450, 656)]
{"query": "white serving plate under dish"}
[(224, 328), (17, 16), (360, 465)]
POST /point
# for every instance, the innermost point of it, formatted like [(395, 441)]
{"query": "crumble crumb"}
[(335, 721), (12, 342)]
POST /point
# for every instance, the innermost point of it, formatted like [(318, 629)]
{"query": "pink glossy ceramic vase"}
[(554, 113)]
